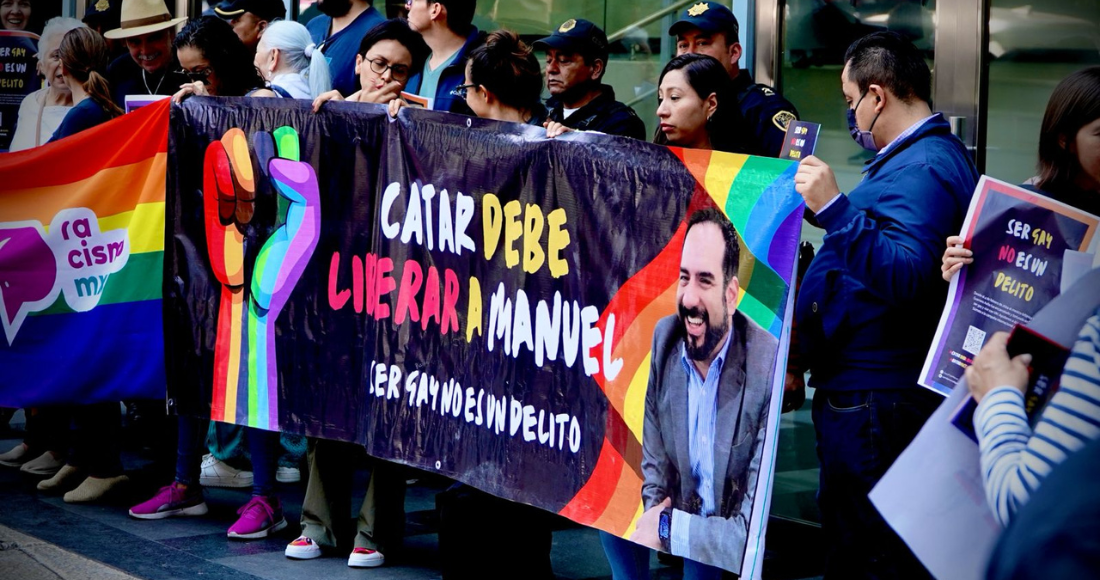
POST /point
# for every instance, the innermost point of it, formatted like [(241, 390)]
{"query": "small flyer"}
[(1024, 244), (800, 141), (18, 78)]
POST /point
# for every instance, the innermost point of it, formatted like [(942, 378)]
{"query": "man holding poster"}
[(867, 305), (706, 408)]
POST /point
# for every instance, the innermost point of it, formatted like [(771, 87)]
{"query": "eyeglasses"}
[(399, 72), (195, 76), (460, 90)]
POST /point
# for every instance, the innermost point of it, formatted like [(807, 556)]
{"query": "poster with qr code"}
[(1021, 240)]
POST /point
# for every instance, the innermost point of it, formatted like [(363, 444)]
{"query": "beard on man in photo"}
[(701, 338), (334, 8)]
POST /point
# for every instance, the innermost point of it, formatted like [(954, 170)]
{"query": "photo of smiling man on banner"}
[(706, 407)]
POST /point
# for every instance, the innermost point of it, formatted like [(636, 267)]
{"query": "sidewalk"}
[(42, 537)]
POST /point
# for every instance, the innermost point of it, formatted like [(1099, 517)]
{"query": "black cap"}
[(576, 36), (105, 12), (710, 17), (263, 9)]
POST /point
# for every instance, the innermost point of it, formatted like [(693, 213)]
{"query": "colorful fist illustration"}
[(245, 344)]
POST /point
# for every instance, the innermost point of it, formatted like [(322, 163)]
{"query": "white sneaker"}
[(364, 558), (216, 473), (288, 475), (303, 548)]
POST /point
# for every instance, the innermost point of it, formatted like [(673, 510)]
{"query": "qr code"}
[(975, 338)]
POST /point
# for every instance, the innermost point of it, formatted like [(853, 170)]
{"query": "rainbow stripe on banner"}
[(81, 262), (756, 190)]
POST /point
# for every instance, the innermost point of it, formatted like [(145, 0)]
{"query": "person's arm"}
[(717, 540), (656, 464), (1015, 460), (893, 252)]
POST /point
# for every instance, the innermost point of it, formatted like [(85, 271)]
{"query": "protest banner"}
[(1022, 242), (18, 78), (468, 297), (81, 252)]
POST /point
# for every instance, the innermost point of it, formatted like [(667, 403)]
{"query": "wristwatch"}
[(664, 530)]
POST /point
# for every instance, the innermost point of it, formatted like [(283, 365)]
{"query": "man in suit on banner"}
[(706, 408)]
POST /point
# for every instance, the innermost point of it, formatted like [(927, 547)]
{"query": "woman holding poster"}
[(1069, 155)]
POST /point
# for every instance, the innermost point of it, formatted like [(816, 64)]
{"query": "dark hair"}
[(890, 60), (460, 14), (1074, 104), (397, 29), (706, 76), (731, 259), (84, 57), (229, 59), (506, 67)]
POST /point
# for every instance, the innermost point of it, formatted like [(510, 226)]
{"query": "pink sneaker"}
[(365, 558), (171, 500), (259, 517)]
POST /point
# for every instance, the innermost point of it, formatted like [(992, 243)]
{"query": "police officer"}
[(249, 18), (576, 60), (710, 28)]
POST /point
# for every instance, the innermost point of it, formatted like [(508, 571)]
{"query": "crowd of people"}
[(874, 275)]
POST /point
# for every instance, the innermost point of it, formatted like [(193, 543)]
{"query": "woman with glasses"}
[(503, 81), (388, 55), (215, 60), (41, 112), (291, 63)]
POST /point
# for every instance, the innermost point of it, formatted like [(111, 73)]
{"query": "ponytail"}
[(84, 56), (297, 50), (100, 92), (318, 75)]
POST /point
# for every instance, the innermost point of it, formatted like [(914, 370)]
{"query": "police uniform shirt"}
[(765, 116)]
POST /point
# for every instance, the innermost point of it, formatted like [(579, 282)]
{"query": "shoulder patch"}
[(767, 91), (782, 119)]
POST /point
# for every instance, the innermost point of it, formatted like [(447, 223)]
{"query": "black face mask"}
[(334, 8)]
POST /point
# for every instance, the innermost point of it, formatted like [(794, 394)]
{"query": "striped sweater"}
[(1015, 460)]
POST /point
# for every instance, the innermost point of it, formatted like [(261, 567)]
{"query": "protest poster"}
[(18, 78), (1020, 240), (467, 297), (81, 252)]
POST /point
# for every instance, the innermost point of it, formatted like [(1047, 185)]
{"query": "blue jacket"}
[(872, 297), (341, 48), (451, 77)]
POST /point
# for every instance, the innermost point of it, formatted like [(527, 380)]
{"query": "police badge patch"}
[(782, 119)]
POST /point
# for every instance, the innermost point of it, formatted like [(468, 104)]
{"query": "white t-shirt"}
[(27, 122), (566, 112)]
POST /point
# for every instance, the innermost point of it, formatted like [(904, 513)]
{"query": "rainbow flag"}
[(757, 193), (81, 262)]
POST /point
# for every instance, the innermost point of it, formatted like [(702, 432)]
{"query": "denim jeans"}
[(859, 435), (630, 561)]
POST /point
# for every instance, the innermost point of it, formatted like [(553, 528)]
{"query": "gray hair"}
[(296, 46), (55, 29)]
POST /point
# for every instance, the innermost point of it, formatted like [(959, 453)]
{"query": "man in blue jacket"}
[(869, 303), (447, 30)]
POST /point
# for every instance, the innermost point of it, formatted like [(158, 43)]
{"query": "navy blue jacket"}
[(451, 77), (872, 297)]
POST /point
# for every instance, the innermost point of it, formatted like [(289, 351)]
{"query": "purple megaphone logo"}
[(28, 274)]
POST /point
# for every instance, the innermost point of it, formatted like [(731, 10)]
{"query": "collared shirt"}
[(899, 139), (702, 411), (702, 415)]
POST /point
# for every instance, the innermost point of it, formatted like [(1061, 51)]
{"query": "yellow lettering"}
[(473, 310), (533, 256), (557, 240), (490, 209), (512, 231)]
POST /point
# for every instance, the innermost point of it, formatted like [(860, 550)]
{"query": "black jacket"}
[(603, 114)]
